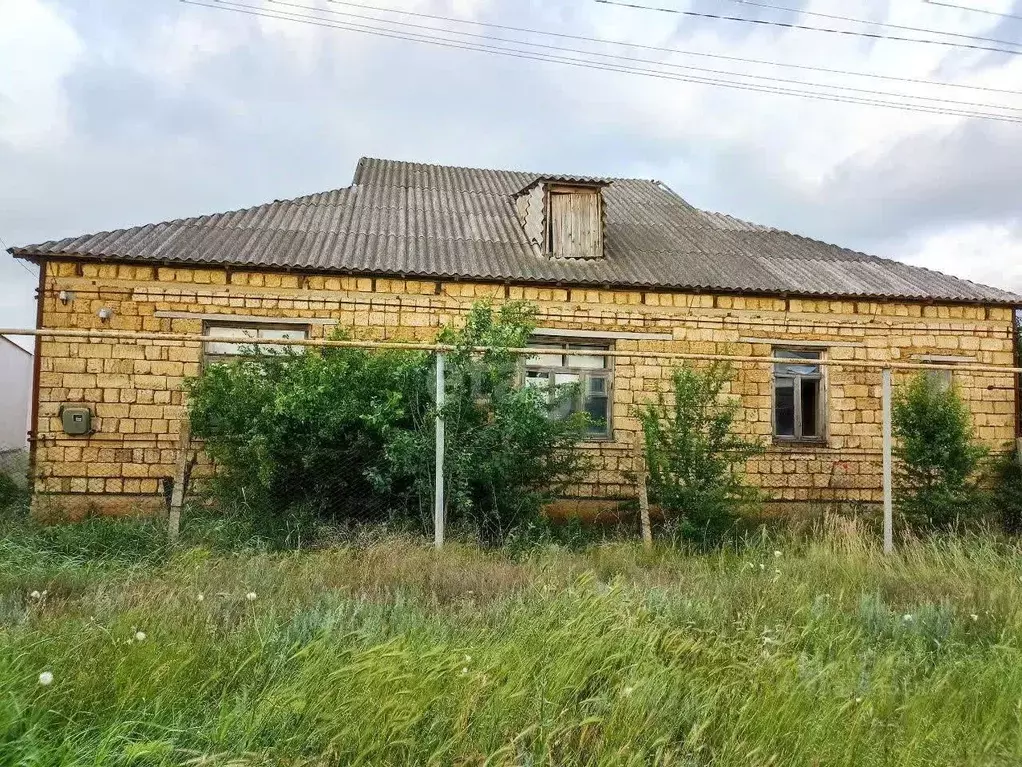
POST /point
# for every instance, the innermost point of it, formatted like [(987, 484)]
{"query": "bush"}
[(296, 437), (349, 434), (695, 457), (936, 485), (1007, 495), (505, 456)]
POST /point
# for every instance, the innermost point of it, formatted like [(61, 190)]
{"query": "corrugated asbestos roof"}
[(434, 221)]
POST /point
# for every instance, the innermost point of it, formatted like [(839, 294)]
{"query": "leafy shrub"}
[(349, 434), (936, 484), (695, 456), (1007, 494), (296, 437), (505, 456)]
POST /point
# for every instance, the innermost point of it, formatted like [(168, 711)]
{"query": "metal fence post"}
[(438, 479), (177, 497), (888, 461)]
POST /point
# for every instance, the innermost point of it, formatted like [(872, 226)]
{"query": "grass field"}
[(386, 653)]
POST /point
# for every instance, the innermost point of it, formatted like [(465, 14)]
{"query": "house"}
[(622, 264), (16, 385)]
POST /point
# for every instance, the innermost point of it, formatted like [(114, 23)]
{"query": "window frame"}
[(822, 408), (570, 347), (258, 327)]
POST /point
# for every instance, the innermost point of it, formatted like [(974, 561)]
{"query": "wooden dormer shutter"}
[(575, 223)]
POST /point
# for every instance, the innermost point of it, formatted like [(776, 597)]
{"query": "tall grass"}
[(811, 652)]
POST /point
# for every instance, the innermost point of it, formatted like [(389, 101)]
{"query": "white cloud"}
[(988, 254), (169, 109), (39, 50)]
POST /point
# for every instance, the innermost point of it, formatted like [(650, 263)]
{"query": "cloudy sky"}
[(120, 112)]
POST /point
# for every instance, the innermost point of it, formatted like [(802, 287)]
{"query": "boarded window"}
[(575, 223), (799, 406), (585, 370), (231, 349)]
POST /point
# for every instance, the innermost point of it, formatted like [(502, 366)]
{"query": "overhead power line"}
[(677, 51), (809, 28), (974, 10), (653, 62), (885, 24), (590, 64), (18, 261)]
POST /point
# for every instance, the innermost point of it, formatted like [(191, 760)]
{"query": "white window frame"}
[(798, 437), (255, 330), (585, 375)]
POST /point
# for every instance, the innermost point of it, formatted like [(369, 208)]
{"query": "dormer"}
[(563, 216)]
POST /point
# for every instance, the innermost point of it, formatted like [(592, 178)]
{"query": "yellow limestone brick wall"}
[(135, 388)]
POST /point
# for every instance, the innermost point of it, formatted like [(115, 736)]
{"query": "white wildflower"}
[(762, 566), (139, 636), (199, 598), (858, 700), (464, 670), (777, 554), (907, 617), (251, 596), (46, 679), (974, 617), (35, 595)]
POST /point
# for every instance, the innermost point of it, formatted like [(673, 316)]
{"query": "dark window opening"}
[(799, 408)]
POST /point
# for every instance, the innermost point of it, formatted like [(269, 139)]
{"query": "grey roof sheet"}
[(435, 221)]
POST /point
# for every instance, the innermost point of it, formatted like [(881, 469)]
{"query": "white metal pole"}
[(888, 461), (438, 480)]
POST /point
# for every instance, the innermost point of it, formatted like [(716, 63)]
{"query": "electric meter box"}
[(77, 419)]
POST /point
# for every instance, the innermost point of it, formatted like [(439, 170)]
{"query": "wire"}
[(888, 25), (974, 10), (18, 261), (655, 63), (744, 60), (590, 64), (806, 27)]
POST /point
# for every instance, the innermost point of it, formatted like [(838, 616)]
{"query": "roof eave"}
[(1012, 302)]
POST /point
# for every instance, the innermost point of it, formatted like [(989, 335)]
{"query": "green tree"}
[(695, 455), (302, 433), (936, 485), (505, 456)]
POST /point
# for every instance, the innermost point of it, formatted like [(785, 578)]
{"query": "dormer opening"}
[(563, 217), (574, 222)]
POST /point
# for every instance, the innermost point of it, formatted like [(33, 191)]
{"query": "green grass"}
[(384, 652)]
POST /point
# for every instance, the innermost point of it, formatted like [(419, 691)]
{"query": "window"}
[(941, 379), (574, 223), (229, 349), (799, 405), (581, 365)]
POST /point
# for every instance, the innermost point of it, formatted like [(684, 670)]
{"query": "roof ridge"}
[(538, 175)]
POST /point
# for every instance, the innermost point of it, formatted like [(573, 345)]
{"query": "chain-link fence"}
[(353, 433)]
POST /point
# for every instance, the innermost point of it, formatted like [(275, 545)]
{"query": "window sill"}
[(795, 442)]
